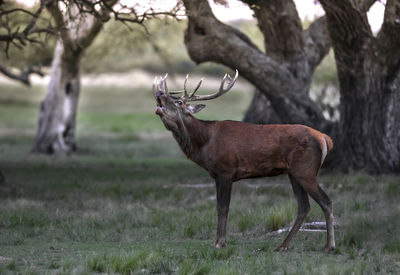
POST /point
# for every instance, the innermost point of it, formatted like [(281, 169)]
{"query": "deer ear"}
[(195, 108)]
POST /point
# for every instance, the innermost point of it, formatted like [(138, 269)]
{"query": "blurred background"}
[(92, 182), (118, 70)]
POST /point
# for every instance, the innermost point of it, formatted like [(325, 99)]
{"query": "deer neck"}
[(191, 135)]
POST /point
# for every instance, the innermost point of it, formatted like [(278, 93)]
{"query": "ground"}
[(129, 202)]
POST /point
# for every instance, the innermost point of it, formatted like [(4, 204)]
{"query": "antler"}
[(161, 85), (222, 89), (155, 85)]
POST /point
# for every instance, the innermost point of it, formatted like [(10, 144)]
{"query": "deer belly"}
[(256, 169)]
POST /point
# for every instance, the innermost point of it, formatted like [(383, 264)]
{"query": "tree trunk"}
[(369, 76), (261, 111), (370, 121), (57, 115), (297, 50), (367, 136), (285, 84)]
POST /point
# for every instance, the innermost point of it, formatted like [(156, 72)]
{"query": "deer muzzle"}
[(160, 107)]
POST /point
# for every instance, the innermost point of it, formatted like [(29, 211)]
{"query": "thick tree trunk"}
[(57, 117), (369, 77), (261, 110), (370, 123)]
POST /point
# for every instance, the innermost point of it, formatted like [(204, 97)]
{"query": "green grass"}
[(121, 204)]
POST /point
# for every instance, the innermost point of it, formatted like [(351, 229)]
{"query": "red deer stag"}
[(232, 150)]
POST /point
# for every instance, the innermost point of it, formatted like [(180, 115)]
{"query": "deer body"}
[(232, 150), (243, 150)]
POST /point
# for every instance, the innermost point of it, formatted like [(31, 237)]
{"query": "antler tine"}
[(232, 81), (221, 91), (221, 87), (197, 87), (175, 92), (165, 83), (154, 85), (185, 93)]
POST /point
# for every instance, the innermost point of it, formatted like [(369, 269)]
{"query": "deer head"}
[(174, 109)]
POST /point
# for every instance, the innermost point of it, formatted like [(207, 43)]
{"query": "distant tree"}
[(22, 31), (77, 26), (77, 23), (367, 135)]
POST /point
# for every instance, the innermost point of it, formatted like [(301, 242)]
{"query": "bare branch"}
[(316, 42), (20, 38), (23, 76), (349, 31), (127, 14), (281, 27), (208, 39), (5, 12), (388, 39)]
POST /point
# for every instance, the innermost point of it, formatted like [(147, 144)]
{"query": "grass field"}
[(129, 202)]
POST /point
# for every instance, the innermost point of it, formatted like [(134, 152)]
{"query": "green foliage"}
[(280, 217), (194, 268), (393, 189)]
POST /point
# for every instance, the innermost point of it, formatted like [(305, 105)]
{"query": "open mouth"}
[(160, 107), (159, 104)]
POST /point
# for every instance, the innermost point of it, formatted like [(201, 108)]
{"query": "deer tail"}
[(326, 146), (329, 142)]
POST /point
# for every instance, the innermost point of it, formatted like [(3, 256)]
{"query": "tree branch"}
[(388, 39), (349, 31), (280, 24), (124, 14), (284, 38), (98, 20), (23, 76), (20, 38), (317, 42), (207, 39), (57, 15)]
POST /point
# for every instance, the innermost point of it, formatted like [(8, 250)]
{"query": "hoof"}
[(219, 245), (328, 249)]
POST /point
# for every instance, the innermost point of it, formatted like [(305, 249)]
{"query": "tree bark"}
[(57, 117), (369, 77), (207, 39), (299, 51), (261, 111)]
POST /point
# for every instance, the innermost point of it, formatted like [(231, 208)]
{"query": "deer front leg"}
[(224, 188)]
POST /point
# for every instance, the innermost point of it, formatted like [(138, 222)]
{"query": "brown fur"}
[(232, 150)]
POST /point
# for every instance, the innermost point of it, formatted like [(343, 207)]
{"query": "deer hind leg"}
[(316, 192), (224, 188), (303, 205)]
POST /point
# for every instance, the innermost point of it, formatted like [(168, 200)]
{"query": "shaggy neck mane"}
[(192, 135)]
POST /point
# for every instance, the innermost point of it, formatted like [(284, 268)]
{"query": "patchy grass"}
[(121, 205)]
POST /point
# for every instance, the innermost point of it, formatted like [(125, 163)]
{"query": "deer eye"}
[(179, 102)]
